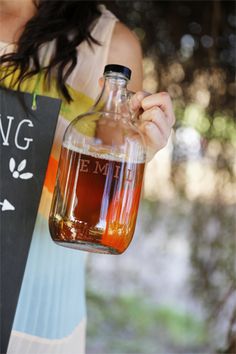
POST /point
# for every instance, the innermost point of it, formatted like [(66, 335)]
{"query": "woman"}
[(59, 49)]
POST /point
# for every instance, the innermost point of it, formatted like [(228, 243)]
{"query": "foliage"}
[(192, 45), (213, 252), (129, 324)]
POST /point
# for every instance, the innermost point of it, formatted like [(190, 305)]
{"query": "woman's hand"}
[(156, 120)]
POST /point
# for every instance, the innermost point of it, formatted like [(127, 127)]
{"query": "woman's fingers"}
[(163, 101), (156, 129), (156, 116), (154, 139), (136, 100)]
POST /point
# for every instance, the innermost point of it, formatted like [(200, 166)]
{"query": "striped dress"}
[(51, 315)]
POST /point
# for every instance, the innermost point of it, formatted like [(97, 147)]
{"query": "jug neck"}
[(114, 96)]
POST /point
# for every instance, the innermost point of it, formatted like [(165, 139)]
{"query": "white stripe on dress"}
[(27, 344)]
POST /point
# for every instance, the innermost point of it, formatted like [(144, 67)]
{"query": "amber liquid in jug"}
[(97, 194)]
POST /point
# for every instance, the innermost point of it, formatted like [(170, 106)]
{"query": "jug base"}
[(88, 247)]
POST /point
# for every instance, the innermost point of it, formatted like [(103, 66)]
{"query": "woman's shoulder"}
[(125, 49), (124, 38)]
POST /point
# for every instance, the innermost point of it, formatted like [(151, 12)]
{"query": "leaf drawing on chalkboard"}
[(12, 164), (16, 172), (21, 165), (26, 175)]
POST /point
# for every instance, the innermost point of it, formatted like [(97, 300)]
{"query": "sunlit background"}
[(174, 290)]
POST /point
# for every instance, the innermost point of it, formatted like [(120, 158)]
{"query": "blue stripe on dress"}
[(53, 283)]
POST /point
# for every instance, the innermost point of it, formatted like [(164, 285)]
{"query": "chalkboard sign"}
[(26, 136)]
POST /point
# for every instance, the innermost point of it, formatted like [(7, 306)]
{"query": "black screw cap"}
[(118, 69)]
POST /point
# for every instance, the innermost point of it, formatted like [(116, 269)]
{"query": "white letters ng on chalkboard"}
[(5, 135)]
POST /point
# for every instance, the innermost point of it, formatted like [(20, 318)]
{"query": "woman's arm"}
[(158, 117)]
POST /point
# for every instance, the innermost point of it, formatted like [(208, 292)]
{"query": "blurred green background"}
[(174, 289)]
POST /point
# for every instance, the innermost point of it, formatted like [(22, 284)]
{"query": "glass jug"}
[(100, 173)]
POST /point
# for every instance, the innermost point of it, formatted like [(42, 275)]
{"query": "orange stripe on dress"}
[(51, 173)]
